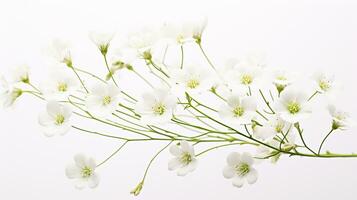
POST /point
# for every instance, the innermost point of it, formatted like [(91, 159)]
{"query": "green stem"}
[(323, 141), (113, 154), (205, 55), (106, 64)]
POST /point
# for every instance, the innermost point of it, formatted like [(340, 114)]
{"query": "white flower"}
[(243, 77), (143, 40), (192, 79), (60, 84), (55, 120), (271, 128), (8, 95), (185, 160), (102, 100), (60, 50), (184, 32), (83, 171), (293, 106), (238, 110), (282, 79), (240, 169), (340, 119), (20, 74), (102, 40), (265, 152), (156, 107), (323, 82)]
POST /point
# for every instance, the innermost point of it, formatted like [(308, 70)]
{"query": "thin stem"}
[(205, 55), (224, 145), (34, 87), (323, 141), (152, 160), (182, 56), (266, 102), (144, 79), (312, 96), (79, 78), (113, 154), (110, 72)]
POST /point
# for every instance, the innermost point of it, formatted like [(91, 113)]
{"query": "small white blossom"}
[(243, 77), (293, 106), (60, 84), (181, 33), (271, 128), (192, 79), (282, 78), (156, 107), (8, 95), (238, 110), (20, 74), (83, 172), (101, 40), (240, 169), (103, 100), (185, 160), (323, 82), (143, 40), (340, 119), (56, 119), (60, 51), (265, 152)]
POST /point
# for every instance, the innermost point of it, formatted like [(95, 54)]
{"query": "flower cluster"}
[(189, 107)]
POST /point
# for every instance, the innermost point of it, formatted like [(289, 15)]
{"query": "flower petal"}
[(228, 172), (174, 164), (72, 171), (175, 150), (238, 181), (252, 176), (233, 158), (93, 181)]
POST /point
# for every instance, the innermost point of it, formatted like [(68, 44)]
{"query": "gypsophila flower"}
[(273, 127), (181, 33), (20, 74), (293, 106), (281, 79), (185, 160), (243, 77), (143, 40), (101, 40), (192, 79), (56, 119), (240, 169), (156, 107), (60, 84), (323, 82), (103, 100), (8, 94), (340, 119), (83, 172), (60, 51), (238, 110)]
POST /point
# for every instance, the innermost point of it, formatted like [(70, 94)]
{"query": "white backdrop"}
[(300, 35)]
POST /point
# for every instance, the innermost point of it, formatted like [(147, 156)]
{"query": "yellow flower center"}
[(193, 83), (186, 158), (324, 85), (246, 79), (59, 119), (107, 100), (159, 109), (86, 172), (238, 111), (62, 87), (242, 169), (293, 107)]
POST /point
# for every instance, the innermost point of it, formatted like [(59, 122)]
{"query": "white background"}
[(299, 35)]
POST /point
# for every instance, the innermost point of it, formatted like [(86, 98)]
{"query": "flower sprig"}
[(186, 107)]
